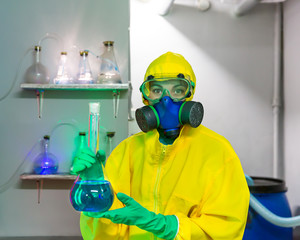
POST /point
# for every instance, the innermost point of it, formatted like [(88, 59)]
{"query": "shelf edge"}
[(75, 87), (60, 176)]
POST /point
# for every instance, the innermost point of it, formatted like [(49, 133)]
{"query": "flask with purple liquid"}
[(45, 162)]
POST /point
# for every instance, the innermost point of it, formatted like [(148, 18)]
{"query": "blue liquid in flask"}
[(92, 196), (44, 170)]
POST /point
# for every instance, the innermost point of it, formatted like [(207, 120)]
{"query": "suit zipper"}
[(162, 156)]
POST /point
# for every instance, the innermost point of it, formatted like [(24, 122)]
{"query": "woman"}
[(175, 180)]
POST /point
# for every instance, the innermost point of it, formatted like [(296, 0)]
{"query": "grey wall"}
[(233, 62), (85, 24), (232, 59), (292, 101)]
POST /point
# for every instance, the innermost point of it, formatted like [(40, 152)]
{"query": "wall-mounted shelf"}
[(59, 176), (40, 89), (40, 179), (76, 87)]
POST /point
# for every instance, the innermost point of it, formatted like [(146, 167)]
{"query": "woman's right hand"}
[(82, 160)]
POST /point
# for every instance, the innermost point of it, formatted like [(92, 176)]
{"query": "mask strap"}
[(156, 115), (180, 112)]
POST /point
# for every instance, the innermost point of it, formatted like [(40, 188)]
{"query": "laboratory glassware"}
[(110, 136), (37, 72), (109, 72), (92, 191), (63, 75), (84, 75), (45, 162), (94, 126), (82, 145)]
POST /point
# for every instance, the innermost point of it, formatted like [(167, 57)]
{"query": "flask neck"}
[(93, 173), (82, 143), (37, 56), (83, 56), (84, 62), (109, 52), (46, 145), (63, 59), (109, 48)]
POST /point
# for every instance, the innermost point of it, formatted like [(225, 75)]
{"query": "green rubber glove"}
[(87, 164), (82, 160), (163, 226)]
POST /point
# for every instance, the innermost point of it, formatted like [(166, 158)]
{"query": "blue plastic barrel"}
[(271, 193)]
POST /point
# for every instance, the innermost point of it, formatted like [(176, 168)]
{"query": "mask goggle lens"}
[(154, 89)]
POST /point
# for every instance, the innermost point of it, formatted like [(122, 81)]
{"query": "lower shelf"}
[(40, 179), (59, 176)]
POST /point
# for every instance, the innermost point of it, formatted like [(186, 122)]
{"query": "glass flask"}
[(84, 75), (82, 145), (94, 126), (37, 72), (63, 74), (109, 72), (91, 192), (45, 162)]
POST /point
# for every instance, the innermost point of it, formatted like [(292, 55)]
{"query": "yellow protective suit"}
[(198, 178)]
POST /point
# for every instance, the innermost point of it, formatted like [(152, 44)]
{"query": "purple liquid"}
[(45, 170)]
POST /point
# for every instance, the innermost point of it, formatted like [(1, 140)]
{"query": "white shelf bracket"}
[(116, 101), (40, 101)]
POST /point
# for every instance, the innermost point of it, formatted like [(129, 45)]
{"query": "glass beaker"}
[(37, 72), (45, 162), (91, 192), (84, 75), (63, 75), (109, 71)]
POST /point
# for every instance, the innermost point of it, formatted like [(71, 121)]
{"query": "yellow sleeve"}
[(223, 211), (118, 173)]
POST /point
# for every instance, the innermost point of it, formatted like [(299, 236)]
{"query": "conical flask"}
[(37, 72), (84, 75), (63, 75), (109, 72), (91, 191), (45, 162)]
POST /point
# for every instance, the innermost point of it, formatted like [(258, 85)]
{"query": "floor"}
[(41, 238), (296, 233)]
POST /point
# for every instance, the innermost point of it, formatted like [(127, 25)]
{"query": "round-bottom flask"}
[(91, 196), (45, 162), (37, 73), (91, 192)]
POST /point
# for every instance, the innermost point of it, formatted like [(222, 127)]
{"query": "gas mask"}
[(169, 116)]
